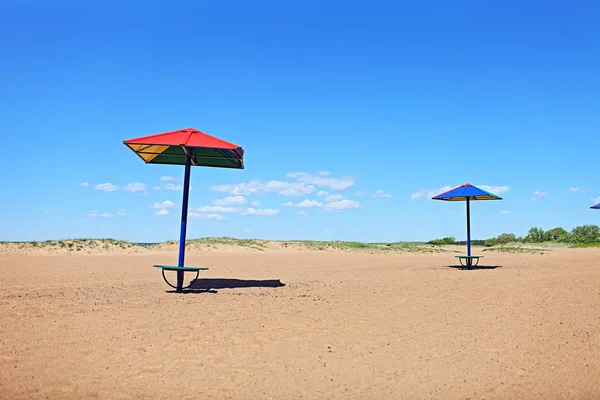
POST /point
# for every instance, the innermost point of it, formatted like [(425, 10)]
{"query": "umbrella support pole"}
[(469, 262), (184, 215)]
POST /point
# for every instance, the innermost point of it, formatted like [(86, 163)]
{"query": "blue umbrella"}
[(597, 206), (467, 192)]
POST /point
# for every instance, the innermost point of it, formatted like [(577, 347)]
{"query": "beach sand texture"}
[(341, 325)]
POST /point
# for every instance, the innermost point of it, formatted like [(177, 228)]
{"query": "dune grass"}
[(584, 245), (224, 241), (413, 247), (517, 249)]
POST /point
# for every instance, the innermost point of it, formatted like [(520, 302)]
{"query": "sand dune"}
[(290, 323)]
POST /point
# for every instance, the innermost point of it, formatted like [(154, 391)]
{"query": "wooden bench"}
[(469, 260), (179, 269)]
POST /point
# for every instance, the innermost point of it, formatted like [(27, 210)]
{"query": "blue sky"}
[(381, 104)]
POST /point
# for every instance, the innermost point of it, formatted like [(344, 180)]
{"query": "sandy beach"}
[(293, 323)]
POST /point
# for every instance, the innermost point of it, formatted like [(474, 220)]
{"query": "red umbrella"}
[(189, 147)]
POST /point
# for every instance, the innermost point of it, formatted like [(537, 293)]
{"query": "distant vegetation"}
[(412, 247), (580, 236)]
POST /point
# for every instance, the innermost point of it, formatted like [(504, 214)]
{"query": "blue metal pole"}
[(184, 214), (468, 232)]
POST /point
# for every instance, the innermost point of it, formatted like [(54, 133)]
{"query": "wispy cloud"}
[(264, 212), (341, 205), (323, 179), (216, 217), (381, 193), (495, 189), (256, 203), (106, 187), (505, 212), (121, 213), (162, 211), (216, 209), (333, 197), (303, 213), (576, 189), (172, 186), (106, 215), (596, 200), (168, 178), (163, 204), (135, 187), (322, 193), (256, 186), (92, 214), (308, 203), (230, 200), (360, 193), (48, 211), (429, 193), (84, 184), (538, 195)]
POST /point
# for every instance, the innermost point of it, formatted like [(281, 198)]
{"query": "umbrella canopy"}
[(174, 148), (597, 206), (467, 192), (189, 147)]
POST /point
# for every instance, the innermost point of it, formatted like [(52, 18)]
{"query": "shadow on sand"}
[(462, 267), (209, 285)]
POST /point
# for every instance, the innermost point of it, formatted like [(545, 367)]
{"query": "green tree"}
[(506, 238), (585, 234), (536, 235), (557, 233)]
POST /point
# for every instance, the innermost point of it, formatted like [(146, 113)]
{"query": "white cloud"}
[(230, 200), (323, 179), (575, 189), (494, 189), (255, 186), (265, 212), (171, 186), (106, 215), (156, 188), (429, 193), (288, 204), (121, 213), (303, 213), (381, 193), (84, 184), (216, 217), (322, 193), (162, 211), (135, 187), (168, 178), (596, 200), (216, 209), (256, 203), (359, 193), (505, 212), (163, 204), (106, 187), (334, 197), (308, 203), (538, 195), (92, 214), (341, 205)]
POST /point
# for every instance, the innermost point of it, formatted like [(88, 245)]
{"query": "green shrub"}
[(443, 241)]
